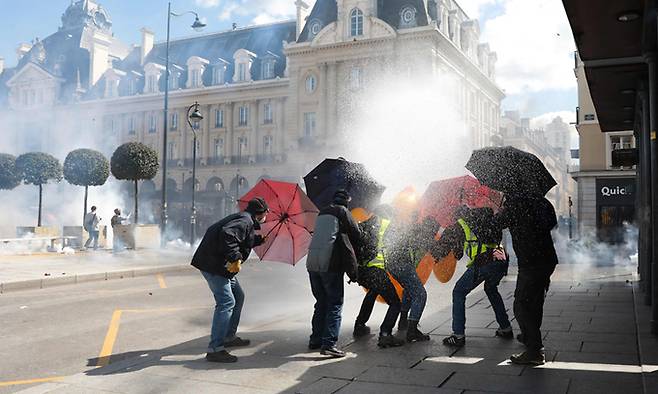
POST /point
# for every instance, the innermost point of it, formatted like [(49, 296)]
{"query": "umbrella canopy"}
[(442, 198), (511, 171), (333, 174), (289, 224)]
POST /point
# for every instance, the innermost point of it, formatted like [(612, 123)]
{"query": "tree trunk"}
[(136, 209), (84, 213), (40, 200)]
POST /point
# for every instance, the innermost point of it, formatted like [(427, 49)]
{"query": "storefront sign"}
[(617, 191)]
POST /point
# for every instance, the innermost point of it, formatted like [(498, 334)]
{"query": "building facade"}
[(606, 194), (276, 98)]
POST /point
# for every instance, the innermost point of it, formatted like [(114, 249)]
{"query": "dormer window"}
[(131, 90), (111, 88), (268, 69), (152, 72), (174, 79), (242, 72), (219, 74), (243, 60), (356, 22), (195, 66), (408, 17)]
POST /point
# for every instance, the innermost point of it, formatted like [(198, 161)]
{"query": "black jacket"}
[(228, 240), (530, 221), (452, 240), (335, 239)]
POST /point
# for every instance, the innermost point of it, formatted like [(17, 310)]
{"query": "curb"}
[(84, 278)]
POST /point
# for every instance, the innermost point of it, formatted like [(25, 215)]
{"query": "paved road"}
[(60, 331)]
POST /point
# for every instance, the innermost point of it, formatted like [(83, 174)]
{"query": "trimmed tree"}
[(9, 176), (134, 161), (37, 168), (86, 167)]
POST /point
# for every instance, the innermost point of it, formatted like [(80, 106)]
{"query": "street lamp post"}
[(237, 176), (197, 25), (191, 120)]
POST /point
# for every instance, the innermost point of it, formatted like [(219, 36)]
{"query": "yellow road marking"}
[(161, 281), (30, 381), (110, 338), (113, 330)]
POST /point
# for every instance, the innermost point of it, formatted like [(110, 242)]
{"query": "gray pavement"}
[(41, 270), (594, 342)]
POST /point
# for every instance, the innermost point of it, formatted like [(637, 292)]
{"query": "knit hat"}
[(257, 206)]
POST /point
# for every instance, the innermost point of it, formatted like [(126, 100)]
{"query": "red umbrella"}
[(443, 197), (289, 224)]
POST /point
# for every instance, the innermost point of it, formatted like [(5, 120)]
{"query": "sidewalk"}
[(39, 270), (594, 344)]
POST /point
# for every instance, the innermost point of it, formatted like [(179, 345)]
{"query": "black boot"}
[(414, 335), (529, 357), (360, 330), (388, 340), (403, 324), (221, 357)]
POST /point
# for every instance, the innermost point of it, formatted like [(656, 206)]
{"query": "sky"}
[(532, 38)]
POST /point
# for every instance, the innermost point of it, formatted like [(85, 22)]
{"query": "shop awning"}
[(612, 37)]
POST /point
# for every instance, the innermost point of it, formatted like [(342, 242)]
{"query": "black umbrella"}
[(511, 171), (333, 174)]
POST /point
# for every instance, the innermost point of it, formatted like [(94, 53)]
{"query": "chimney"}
[(2, 64), (22, 50), (302, 12), (147, 43)]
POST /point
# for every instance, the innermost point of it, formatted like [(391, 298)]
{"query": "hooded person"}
[(475, 235), (374, 278), (224, 247), (530, 220), (331, 254), (407, 242)]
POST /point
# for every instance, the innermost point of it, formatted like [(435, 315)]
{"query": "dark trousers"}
[(377, 282), (531, 287), (414, 295), (327, 288)]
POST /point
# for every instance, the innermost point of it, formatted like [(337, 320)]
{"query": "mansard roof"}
[(324, 11), (262, 40)]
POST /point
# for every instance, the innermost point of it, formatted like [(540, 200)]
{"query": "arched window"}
[(356, 22)]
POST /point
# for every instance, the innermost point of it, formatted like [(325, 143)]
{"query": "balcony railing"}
[(234, 160)]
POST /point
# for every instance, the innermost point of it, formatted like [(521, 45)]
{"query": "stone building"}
[(606, 193), (275, 97)]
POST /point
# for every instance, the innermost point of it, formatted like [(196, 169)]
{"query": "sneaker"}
[(455, 341), (360, 330), (389, 340), (528, 358), (332, 351), (314, 346), (221, 357), (237, 342), (505, 333)]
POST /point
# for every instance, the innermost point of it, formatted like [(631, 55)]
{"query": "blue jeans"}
[(414, 295), (229, 299), (491, 274), (93, 235), (327, 288)]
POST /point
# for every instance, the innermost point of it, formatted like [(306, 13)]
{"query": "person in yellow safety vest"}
[(373, 276), (476, 236)]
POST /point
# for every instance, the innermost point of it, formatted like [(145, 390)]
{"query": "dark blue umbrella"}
[(511, 171), (334, 174)]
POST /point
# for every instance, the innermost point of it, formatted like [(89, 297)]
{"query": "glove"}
[(234, 267), (259, 240)]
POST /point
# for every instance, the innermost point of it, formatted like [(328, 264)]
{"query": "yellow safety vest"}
[(380, 260), (472, 247)]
